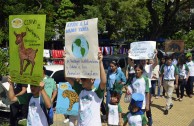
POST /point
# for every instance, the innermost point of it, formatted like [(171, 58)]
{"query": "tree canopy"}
[(119, 19)]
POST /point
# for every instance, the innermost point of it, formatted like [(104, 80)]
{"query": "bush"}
[(3, 62)]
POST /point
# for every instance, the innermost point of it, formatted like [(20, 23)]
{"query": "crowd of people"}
[(139, 83)]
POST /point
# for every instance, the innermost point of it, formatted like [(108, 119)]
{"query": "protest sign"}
[(26, 41), (67, 100), (142, 50), (81, 43), (174, 46)]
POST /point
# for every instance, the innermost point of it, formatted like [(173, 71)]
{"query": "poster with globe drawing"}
[(81, 42)]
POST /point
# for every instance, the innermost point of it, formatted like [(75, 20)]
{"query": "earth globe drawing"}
[(80, 47)]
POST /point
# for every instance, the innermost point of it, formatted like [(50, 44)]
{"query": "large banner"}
[(81, 42), (26, 42), (174, 46), (67, 100), (142, 50)]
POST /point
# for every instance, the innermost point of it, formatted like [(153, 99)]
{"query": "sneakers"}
[(150, 121), (157, 97), (66, 120), (177, 99), (166, 112), (180, 99), (21, 120), (171, 106)]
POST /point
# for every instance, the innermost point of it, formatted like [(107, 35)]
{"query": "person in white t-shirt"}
[(147, 72), (135, 116), (190, 64), (113, 110), (36, 115), (169, 73), (90, 100)]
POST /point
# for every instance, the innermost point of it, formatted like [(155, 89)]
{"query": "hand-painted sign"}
[(142, 50), (81, 42), (26, 41), (67, 100)]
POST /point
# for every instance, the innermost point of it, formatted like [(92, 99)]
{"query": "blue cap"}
[(137, 99)]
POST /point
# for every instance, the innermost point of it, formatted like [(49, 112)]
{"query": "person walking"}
[(169, 73), (115, 79), (183, 78), (18, 110), (190, 64)]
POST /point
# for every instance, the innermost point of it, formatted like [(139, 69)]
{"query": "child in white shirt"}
[(114, 110), (135, 116)]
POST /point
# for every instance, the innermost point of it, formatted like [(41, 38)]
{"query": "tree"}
[(165, 17), (3, 62), (64, 14)]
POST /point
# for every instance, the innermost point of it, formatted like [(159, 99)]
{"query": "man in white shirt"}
[(190, 64)]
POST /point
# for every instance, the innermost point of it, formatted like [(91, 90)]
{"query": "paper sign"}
[(142, 50), (26, 41), (81, 44), (67, 100)]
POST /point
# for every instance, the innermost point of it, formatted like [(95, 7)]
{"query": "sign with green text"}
[(26, 42)]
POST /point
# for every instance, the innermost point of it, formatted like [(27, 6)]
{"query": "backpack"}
[(48, 112)]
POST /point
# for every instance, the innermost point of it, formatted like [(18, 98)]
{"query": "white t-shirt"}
[(36, 116), (169, 72), (191, 68), (148, 73), (113, 115), (89, 109), (136, 120), (140, 85)]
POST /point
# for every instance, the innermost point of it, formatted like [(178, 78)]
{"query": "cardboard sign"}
[(142, 50), (67, 100), (81, 44), (26, 41), (174, 46)]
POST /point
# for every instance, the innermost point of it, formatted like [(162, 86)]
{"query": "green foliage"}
[(189, 40), (3, 62), (129, 19), (64, 14)]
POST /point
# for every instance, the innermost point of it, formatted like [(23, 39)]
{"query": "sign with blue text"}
[(81, 42), (67, 100), (142, 50)]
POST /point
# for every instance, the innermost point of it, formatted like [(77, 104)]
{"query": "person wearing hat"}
[(190, 81), (169, 73), (135, 116)]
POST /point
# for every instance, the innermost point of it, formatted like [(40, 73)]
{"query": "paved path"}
[(182, 114)]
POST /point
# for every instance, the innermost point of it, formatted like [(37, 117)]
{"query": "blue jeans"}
[(153, 82), (107, 97)]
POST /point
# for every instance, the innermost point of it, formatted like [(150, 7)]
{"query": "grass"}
[(23, 123)]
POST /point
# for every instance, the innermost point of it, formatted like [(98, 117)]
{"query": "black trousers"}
[(181, 86), (189, 85), (17, 110)]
